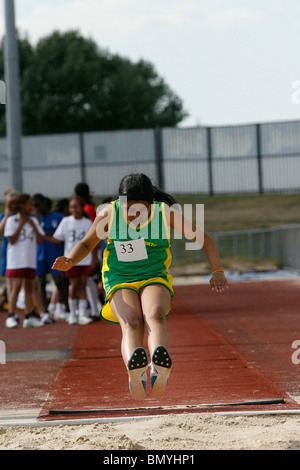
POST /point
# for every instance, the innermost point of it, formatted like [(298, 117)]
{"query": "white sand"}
[(189, 431)]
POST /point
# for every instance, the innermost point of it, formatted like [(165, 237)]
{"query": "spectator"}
[(62, 206), (10, 208), (72, 229), (46, 254), (23, 232), (82, 191)]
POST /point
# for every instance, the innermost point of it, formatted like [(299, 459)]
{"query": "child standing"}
[(47, 252), (10, 208), (23, 232), (82, 190), (135, 273), (71, 230)]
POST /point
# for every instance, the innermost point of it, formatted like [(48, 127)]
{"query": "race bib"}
[(133, 250)]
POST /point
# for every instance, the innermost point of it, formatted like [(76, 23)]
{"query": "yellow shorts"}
[(106, 312)]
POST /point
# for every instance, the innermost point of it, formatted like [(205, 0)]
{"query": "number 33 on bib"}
[(135, 250)]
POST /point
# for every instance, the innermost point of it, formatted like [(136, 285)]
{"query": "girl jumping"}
[(135, 274)]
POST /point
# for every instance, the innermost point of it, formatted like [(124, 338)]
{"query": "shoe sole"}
[(85, 322), (162, 363), (33, 326), (59, 317), (137, 367), (12, 326)]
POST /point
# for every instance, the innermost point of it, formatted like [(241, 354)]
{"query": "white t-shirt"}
[(71, 231), (22, 254)]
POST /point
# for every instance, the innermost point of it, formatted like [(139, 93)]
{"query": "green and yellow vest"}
[(136, 254)]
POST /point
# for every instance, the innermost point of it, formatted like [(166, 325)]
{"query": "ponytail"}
[(161, 196), (138, 187)]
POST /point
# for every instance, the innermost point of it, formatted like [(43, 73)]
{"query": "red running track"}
[(228, 348)]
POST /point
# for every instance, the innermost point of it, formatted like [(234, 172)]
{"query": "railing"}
[(281, 243)]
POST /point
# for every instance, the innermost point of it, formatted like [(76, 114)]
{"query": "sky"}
[(230, 61)]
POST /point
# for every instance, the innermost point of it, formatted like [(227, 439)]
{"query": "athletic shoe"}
[(96, 317), (160, 370), (12, 321), (83, 320), (51, 308), (72, 319), (47, 318), (137, 371), (32, 321), (60, 312)]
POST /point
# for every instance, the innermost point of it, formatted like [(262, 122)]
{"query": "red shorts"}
[(78, 271), (24, 273)]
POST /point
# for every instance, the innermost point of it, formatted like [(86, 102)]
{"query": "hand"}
[(219, 282), (29, 221), (24, 219), (62, 263)]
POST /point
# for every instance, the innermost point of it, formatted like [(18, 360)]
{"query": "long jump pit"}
[(234, 353)]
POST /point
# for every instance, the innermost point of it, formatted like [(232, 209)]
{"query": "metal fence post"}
[(259, 162), (13, 107), (209, 157), (158, 147), (82, 157)]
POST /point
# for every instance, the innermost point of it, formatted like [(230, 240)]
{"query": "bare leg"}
[(28, 288), (82, 291), (39, 293), (16, 284), (72, 300), (61, 292), (84, 317), (155, 301), (37, 296), (8, 288), (74, 287), (126, 307)]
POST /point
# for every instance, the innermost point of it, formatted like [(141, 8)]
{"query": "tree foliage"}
[(69, 84)]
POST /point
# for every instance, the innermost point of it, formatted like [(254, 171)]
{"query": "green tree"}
[(69, 84)]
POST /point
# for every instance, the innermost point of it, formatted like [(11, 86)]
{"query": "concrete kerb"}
[(20, 421)]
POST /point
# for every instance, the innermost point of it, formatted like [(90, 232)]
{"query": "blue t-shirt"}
[(3, 251), (48, 251)]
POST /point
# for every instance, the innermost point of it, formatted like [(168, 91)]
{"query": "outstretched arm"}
[(218, 281), (196, 234), (98, 230)]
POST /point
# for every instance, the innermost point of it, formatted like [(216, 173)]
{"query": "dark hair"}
[(21, 199), (138, 187), (83, 191), (38, 198), (41, 202), (62, 206)]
